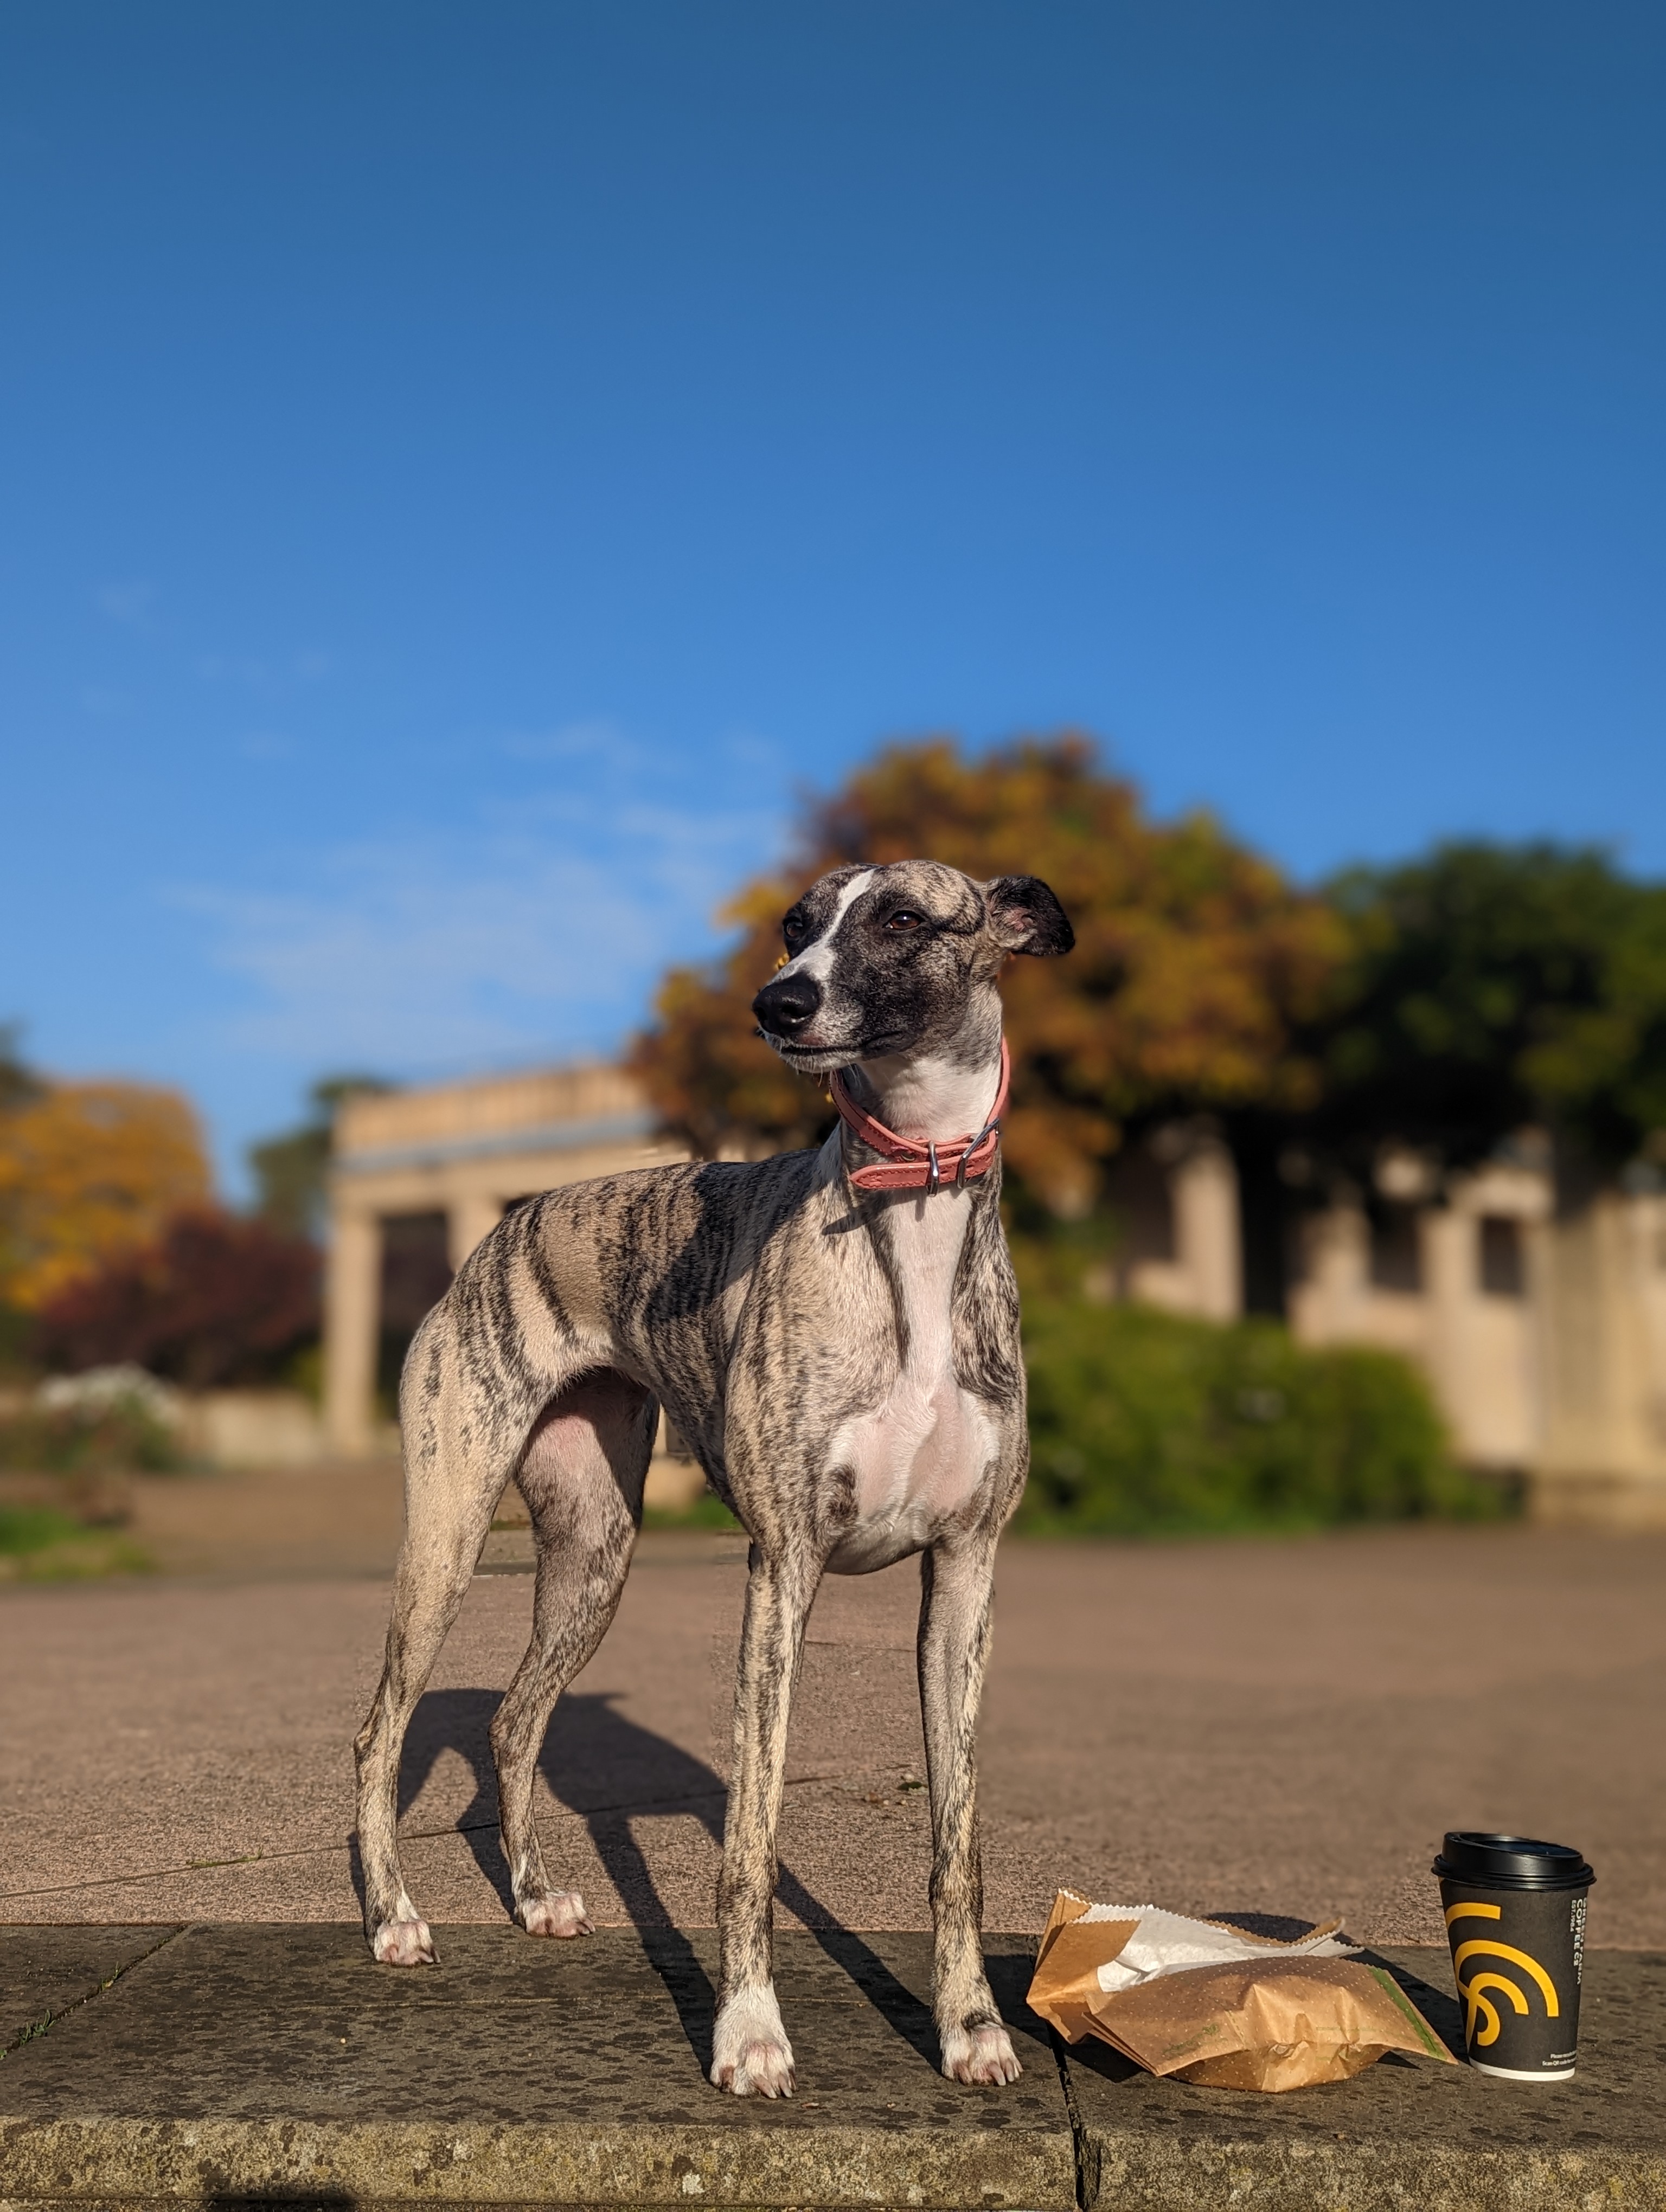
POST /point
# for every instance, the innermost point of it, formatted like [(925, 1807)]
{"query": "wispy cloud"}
[(532, 935), (598, 740)]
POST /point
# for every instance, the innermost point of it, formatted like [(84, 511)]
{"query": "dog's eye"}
[(904, 918), (793, 928)]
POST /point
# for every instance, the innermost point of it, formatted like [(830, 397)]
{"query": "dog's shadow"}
[(613, 1773)]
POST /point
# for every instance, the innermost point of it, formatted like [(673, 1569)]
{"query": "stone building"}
[(418, 1177), (1544, 1335)]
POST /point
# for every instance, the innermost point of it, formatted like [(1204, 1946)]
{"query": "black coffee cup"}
[(1516, 1921)]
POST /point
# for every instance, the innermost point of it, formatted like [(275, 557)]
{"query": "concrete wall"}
[(253, 1428), (1178, 1205), (1478, 1344)]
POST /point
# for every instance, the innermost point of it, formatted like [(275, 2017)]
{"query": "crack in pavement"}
[(37, 2028), (628, 1807)]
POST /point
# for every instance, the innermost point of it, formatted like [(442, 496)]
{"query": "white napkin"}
[(1168, 1943)]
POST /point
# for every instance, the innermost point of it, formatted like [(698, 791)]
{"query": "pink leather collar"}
[(905, 1165)]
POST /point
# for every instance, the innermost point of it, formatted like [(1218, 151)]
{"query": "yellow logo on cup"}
[(1477, 2003)]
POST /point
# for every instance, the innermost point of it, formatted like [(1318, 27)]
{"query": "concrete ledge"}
[(1558, 1498), (1402, 2134), (246, 2063), (220, 2066), (617, 2163)]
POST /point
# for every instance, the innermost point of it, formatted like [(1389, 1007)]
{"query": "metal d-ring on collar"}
[(990, 1127)]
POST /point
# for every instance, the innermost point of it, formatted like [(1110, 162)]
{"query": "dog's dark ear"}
[(1025, 917)]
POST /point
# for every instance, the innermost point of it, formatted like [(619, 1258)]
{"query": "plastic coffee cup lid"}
[(1510, 1863)]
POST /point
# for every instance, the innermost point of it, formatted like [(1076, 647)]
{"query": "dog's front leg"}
[(750, 2054), (956, 1585)]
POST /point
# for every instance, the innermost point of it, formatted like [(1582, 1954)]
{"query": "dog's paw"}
[(760, 2068), (404, 1943), (561, 1912), (981, 2055), (750, 2055)]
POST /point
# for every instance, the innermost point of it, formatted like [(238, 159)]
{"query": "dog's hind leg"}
[(458, 1465), (750, 2054), (583, 1480), (430, 1583), (956, 1586)]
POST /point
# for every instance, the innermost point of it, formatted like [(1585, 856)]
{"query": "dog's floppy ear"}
[(1025, 917)]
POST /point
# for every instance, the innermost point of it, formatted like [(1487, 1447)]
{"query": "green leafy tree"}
[(291, 1171), (1487, 988), (18, 1082)]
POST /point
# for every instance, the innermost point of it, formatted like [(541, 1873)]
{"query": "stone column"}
[(468, 1219), (352, 1302), (1325, 1304), (1449, 1262), (1205, 1230), (1603, 1460)]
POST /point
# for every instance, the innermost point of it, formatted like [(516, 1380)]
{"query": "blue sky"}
[(465, 467)]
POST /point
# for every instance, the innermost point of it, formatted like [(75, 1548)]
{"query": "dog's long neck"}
[(940, 1093)]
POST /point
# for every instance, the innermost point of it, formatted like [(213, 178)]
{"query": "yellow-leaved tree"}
[(88, 1171), (1196, 964)]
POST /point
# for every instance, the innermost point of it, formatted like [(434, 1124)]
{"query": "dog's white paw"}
[(750, 2055), (560, 1913), (404, 1943), (982, 2056)]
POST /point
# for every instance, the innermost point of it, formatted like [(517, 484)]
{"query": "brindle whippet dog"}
[(835, 1333)]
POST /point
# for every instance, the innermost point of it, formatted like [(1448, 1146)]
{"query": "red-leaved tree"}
[(215, 1301)]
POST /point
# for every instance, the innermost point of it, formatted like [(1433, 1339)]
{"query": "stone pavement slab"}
[(45, 1972), (240, 2063), (1403, 2133), (247, 2064)]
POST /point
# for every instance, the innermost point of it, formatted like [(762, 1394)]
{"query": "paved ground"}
[(220, 2065), (1280, 1727), (329, 1521)]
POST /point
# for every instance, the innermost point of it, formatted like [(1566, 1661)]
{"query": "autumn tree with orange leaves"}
[(1196, 971), (88, 1171)]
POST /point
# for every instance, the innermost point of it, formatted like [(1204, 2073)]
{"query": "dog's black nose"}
[(784, 1005)]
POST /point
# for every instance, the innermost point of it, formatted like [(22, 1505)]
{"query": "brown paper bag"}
[(1279, 2023)]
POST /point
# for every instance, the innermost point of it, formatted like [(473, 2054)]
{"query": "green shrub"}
[(705, 1511), (39, 1545), (1141, 1423), (34, 1528), (16, 1329)]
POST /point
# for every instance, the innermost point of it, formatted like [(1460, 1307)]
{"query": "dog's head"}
[(899, 959)]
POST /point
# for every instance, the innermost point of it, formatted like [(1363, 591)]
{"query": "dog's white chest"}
[(917, 1457)]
